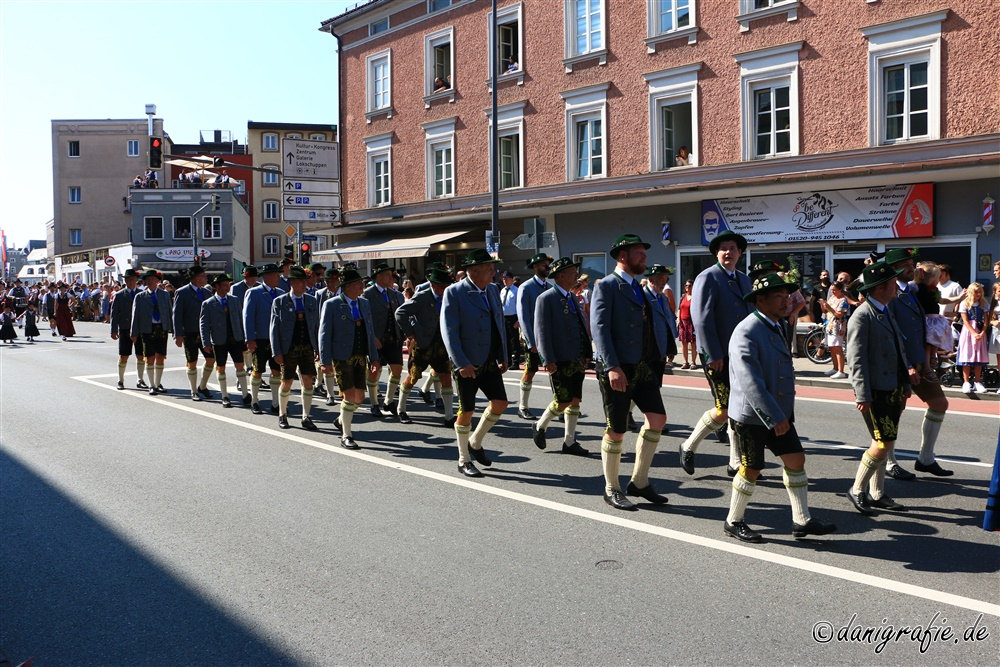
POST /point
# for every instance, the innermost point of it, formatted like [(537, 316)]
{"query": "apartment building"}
[(821, 131)]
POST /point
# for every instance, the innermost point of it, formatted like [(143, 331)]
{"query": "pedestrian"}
[(508, 297), (151, 319), (762, 410), (473, 332), (294, 335), (994, 328), (31, 322), (717, 308), (121, 325), (564, 348), (187, 330), (938, 331), (8, 333), (64, 312), (420, 323), (973, 346), (950, 293), (222, 335), (881, 378), (685, 328), (527, 294), (384, 300), (820, 292), (256, 326), (630, 344), (836, 328), (347, 348)]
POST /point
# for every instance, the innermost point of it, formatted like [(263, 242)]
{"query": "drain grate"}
[(608, 565)]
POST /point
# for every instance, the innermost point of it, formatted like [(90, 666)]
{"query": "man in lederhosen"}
[(420, 323), (881, 377), (630, 345), (151, 319), (330, 290), (295, 344), (257, 325), (563, 348), (121, 325), (384, 300), (50, 308), (473, 332), (240, 289), (222, 335), (527, 295), (347, 348), (717, 306), (187, 330)]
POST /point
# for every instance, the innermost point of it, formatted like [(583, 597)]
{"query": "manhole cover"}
[(608, 565)]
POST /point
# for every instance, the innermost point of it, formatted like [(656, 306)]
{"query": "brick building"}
[(822, 131)]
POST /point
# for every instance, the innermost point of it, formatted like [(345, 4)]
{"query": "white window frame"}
[(173, 227), (266, 176), (79, 237), (317, 136), (749, 11), (904, 42), (371, 63), (510, 122), (656, 36), (271, 204), (75, 194), (587, 103), (131, 144), (777, 65), (264, 141), (216, 230), (432, 41), (572, 56), (145, 228), (505, 16), (668, 87), (439, 134), (378, 148), (241, 187), (276, 240), (69, 149)]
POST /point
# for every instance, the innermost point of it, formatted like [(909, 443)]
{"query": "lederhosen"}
[(435, 355), (155, 342), (718, 381), (232, 347), (488, 377), (392, 346), (567, 381), (263, 356), (301, 354), (192, 341), (125, 345), (882, 419), (352, 373)]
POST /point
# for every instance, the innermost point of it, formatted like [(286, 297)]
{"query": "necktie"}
[(486, 301), (354, 310), (385, 295), (201, 297), (572, 306), (274, 294), (659, 300), (637, 290), (298, 305), (224, 302)]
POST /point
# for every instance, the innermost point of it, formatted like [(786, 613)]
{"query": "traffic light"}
[(215, 202), (155, 153), (304, 256), (290, 251)]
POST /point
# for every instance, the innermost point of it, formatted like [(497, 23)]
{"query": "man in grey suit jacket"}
[(717, 306), (324, 382), (881, 376), (121, 323), (629, 347), (257, 326), (762, 409), (240, 289), (384, 300), (222, 335), (657, 276), (294, 337), (347, 348), (419, 321), (151, 319), (564, 349), (527, 295), (472, 328), (187, 312)]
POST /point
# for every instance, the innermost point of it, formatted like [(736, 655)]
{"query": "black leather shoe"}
[(741, 531), (860, 502), (319, 391), (246, 399), (160, 389), (195, 396), (618, 500), (896, 472), (469, 470), (813, 527), (722, 435), (439, 404), (404, 418), (687, 459), (330, 399), (226, 403), (933, 469), (255, 408), (538, 437), (283, 421), (120, 385), (348, 443), (337, 425), (480, 456), (391, 409), (141, 385), (525, 413), (205, 392), (308, 425), (731, 471), (152, 391), (274, 409), (426, 395), (376, 413), (575, 449), (646, 492), (449, 422), (886, 503)]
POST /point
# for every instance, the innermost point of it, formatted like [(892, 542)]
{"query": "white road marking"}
[(901, 587)]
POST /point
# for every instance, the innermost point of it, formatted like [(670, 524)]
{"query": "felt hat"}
[(876, 274), (658, 270), (624, 241), (727, 235), (250, 271), (195, 270), (380, 267), (332, 272), (900, 255), (297, 273), (317, 268), (767, 283), (269, 268), (131, 273), (222, 278), (349, 276), (562, 264), (479, 256), (535, 259), (439, 277), (151, 273), (760, 268), (286, 262)]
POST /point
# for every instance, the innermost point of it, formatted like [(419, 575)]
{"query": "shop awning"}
[(384, 247), (177, 266)]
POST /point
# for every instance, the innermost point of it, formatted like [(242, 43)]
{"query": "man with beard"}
[(527, 295)]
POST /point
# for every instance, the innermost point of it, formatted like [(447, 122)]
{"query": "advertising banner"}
[(885, 212)]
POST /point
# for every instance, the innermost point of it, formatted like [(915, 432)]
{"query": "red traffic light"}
[(156, 143), (305, 247)]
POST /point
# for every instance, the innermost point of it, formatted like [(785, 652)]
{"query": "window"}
[(757, 9), (75, 194), (76, 237), (379, 84), (293, 135), (271, 176), (439, 65), (211, 227), (379, 152), (380, 174), (904, 69), (182, 227), (132, 148), (507, 44), (670, 19), (585, 24), (271, 246), (434, 5), (375, 27), (317, 137), (673, 118), (153, 228), (270, 211), (440, 142), (241, 187), (73, 149), (586, 115), (595, 265), (270, 141), (769, 83), (510, 129)]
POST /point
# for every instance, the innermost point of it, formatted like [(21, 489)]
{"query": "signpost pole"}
[(494, 139)]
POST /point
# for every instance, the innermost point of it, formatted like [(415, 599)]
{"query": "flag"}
[(3, 250)]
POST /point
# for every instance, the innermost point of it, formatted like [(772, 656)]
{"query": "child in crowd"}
[(994, 346), (7, 331), (30, 318), (972, 344)]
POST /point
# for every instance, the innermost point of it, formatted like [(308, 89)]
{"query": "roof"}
[(38, 255), (361, 7), (253, 125)]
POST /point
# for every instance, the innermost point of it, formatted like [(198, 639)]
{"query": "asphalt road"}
[(138, 530)]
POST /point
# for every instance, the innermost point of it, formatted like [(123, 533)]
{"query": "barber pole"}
[(988, 214)]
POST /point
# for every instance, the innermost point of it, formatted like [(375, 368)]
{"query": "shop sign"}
[(885, 212), (181, 254)]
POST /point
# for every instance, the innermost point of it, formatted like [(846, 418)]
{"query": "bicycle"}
[(815, 347)]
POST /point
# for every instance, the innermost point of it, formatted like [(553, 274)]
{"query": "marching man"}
[(222, 334), (152, 321), (527, 295), (121, 324), (295, 345)]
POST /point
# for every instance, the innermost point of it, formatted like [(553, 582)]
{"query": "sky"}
[(83, 59)]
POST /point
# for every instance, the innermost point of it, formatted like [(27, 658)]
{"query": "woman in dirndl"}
[(64, 313)]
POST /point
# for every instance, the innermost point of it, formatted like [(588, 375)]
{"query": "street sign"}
[(310, 215), (311, 201), (307, 237), (109, 261), (317, 187), (548, 240), (524, 242), (310, 159), (290, 231)]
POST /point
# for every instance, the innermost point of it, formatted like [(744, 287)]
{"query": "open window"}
[(673, 117), (439, 66)]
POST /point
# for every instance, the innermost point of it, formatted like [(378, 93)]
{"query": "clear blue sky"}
[(206, 65)]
